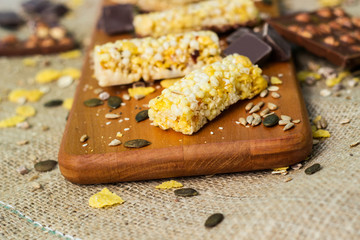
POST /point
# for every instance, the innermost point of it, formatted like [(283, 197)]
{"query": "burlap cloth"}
[(256, 205)]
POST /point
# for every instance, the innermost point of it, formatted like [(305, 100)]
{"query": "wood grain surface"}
[(231, 149)]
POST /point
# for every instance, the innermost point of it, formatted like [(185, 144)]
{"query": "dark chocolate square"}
[(117, 19), (281, 48)]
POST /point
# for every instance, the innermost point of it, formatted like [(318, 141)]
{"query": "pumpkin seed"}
[(45, 166), (242, 121), (137, 143), (142, 115), (214, 220), (114, 102), (275, 95), (54, 103), (186, 192), (313, 169), (272, 106), (264, 93), (288, 126), (93, 102), (249, 106), (271, 120)]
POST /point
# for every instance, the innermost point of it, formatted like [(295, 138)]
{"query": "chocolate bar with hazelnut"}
[(328, 32)]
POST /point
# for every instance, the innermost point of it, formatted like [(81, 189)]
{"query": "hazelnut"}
[(311, 28), (33, 38), (48, 42), (57, 33), (30, 43), (339, 12), (302, 17), (42, 31), (347, 39), (305, 34), (293, 28), (65, 41), (335, 25), (10, 40), (356, 21), (355, 48), (330, 40), (344, 21), (324, 12), (324, 28)]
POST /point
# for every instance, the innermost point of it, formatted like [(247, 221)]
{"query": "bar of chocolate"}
[(117, 19), (327, 32), (281, 48), (251, 46), (10, 20), (238, 33)]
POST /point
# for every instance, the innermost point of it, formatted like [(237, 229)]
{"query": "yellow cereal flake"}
[(330, 82), (321, 134), (30, 95), (281, 169), (169, 184), (71, 54), (11, 121), (47, 75), (67, 104), (168, 82), (119, 134), (29, 62), (72, 72), (275, 80), (316, 119), (302, 75), (140, 91), (26, 111), (104, 198)]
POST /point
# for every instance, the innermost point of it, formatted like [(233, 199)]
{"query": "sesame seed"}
[(126, 129)]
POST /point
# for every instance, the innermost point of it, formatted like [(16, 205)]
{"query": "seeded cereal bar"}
[(203, 94), (170, 56), (216, 15)]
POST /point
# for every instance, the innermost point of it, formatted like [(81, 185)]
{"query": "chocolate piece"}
[(117, 19), (329, 33), (281, 48), (238, 33), (10, 20), (251, 46), (36, 6)]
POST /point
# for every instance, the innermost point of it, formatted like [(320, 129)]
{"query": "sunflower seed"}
[(256, 121), (54, 103), (255, 115), (93, 102), (283, 122), (288, 126), (355, 144), (264, 112), (249, 106), (273, 88), (115, 142), (112, 115), (23, 125), (288, 179), (114, 102), (296, 166), (285, 117), (271, 120), (260, 104), (139, 96), (45, 166), (97, 91), (35, 186), (313, 169), (126, 97), (345, 121), (325, 92), (271, 113), (323, 123), (104, 96), (249, 119), (272, 106), (264, 93), (275, 95), (84, 138), (296, 121), (137, 143), (316, 141), (186, 192), (254, 109), (142, 115), (214, 220), (242, 121), (64, 81)]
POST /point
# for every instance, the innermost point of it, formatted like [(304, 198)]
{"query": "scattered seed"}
[(137, 143), (260, 104), (285, 117), (22, 142), (316, 141), (249, 119), (54, 103), (85, 145), (32, 178), (126, 97), (142, 115), (115, 142), (256, 121), (97, 91), (275, 95), (313, 169), (114, 102), (296, 121), (325, 92), (345, 121), (249, 106), (23, 125), (112, 115), (221, 128), (288, 126), (214, 220), (45, 128), (264, 93), (139, 96), (242, 121), (264, 112), (84, 138), (104, 96), (271, 120), (352, 83), (272, 106), (126, 129), (283, 122), (271, 113), (323, 123), (355, 144), (212, 133), (296, 166), (45, 166), (65, 81), (288, 179), (273, 88), (186, 192), (35, 186), (22, 170), (255, 108), (93, 102)]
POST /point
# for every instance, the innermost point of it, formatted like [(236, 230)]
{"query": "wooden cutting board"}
[(231, 147)]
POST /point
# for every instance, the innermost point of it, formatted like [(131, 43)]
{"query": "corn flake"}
[(330, 82), (275, 80), (26, 111), (302, 75), (140, 91), (29, 62), (72, 72), (321, 134), (67, 104), (30, 95), (168, 82), (316, 119), (169, 184), (11, 121), (104, 198), (281, 169), (71, 54), (47, 75)]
